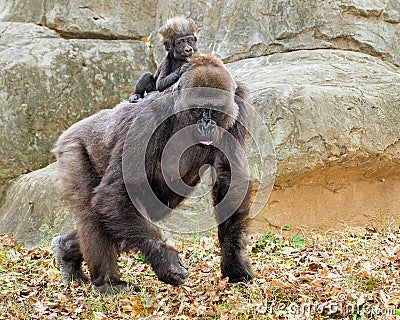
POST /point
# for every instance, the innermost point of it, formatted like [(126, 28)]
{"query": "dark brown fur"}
[(90, 180)]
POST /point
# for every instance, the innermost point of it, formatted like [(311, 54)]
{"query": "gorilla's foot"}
[(245, 278), (134, 98), (70, 269), (237, 270), (111, 287)]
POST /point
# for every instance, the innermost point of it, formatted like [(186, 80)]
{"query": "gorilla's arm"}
[(116, 211), (146, 83), (232, 201), (232, 194), (167, 73), (129, 228)]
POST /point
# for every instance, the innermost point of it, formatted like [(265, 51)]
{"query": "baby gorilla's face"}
[(184, 47)]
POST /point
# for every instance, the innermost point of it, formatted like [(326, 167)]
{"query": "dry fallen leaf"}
[(333, 271), (281, 284)]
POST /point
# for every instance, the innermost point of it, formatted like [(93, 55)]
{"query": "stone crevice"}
[(69, 35), (244, 55)]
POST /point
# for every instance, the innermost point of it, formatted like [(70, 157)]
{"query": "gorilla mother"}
[(113, 211)]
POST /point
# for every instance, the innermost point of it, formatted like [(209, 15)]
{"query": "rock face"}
[(48, 83), (240, 29), (334, 118), (78, 19), (33, 212), (324, 76)]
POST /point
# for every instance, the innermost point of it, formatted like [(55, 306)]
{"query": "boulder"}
[(31, 11), (236, 30), (47, 83), (334, 118), (80, 19), (32, 211), (324, 107), (101, 19), (233, 30)]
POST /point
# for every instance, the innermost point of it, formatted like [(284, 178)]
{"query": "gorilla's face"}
[(204, 97), (184, 47), (208, 111)]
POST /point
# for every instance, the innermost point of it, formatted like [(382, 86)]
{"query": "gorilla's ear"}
[(241, 91), (242, 99), (243, 121), (168, 45)]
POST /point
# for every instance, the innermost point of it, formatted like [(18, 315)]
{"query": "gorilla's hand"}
[(184, 67), (169, 266)]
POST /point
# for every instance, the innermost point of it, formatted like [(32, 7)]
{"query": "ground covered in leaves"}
[(337, 275)]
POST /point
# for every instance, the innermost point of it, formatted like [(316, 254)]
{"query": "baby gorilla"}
[(179, 38), (92, 153)]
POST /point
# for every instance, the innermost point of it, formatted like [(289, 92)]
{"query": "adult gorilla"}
[(113, 207)]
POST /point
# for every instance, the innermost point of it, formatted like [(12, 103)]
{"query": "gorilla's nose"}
[(189, 51), (206, 127)]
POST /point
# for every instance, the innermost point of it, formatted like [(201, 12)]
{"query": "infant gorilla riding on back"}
[(213, 108)]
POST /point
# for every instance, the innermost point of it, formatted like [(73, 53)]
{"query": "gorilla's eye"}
[(198, 112), (217, 114)]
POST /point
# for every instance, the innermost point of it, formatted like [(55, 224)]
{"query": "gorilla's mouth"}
[(187, 55), (206, 142)]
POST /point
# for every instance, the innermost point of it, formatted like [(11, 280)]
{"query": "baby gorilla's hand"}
[(184, 67)]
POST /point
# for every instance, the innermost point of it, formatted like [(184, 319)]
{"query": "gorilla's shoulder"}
[(146, 105)]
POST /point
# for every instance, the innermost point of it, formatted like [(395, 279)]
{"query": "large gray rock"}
[(22, 11), (32, 211), (334, 117), (101, 19), (326, 106), (240, 29), (80, 19), (231, 29), (47, 83)]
